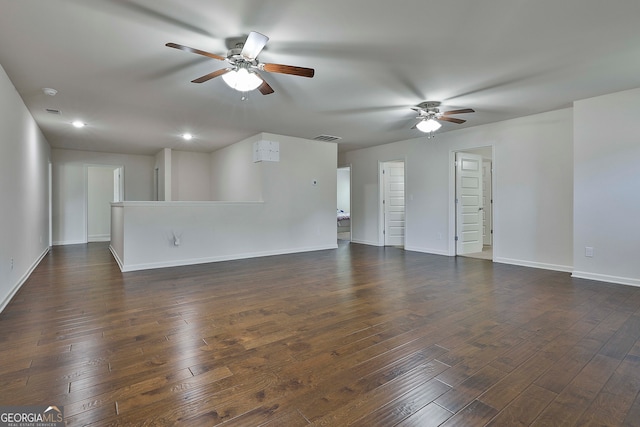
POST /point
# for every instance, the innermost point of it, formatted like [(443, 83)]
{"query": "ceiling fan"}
[(429, 115), (242, 72)]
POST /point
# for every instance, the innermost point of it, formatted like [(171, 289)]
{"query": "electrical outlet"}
[(12, 263), (588, 251)]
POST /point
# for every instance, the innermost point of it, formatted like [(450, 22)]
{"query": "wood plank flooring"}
[(361, 336)]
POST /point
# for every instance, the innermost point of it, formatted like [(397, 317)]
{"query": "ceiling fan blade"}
[(254, 45), (464, 110), (264, 88), (196, 51), (210, 76), (451, 119), (289, 69)]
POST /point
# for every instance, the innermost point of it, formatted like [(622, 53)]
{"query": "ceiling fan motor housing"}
[(429, 105), (235, 52), (428, 110)]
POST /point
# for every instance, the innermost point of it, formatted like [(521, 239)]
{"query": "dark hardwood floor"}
[(360, 336)]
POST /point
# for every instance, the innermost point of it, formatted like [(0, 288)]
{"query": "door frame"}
[(488, 208), (50, 189), (348, 166), (452, 196), (381, 220), (87, 166)]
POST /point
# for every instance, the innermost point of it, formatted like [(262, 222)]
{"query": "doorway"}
[(392, 203), (473, 201), (104, 184), (344, 203)]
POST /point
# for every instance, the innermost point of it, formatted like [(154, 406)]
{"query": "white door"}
[(487, 204), (393, 177), (468, 203)]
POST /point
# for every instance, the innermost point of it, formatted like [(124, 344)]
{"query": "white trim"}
[(100, 238), (427, 250), (192, 261), (185, 204), (50, 202), (69, 242), (381, 224), (22, 280), (542, 265), (116, 257), (366, 242), (606, 278), (451, 206), (350, 199)]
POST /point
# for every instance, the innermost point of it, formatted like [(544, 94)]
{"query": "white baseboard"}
[(365, 242), (116, 257), (606, 278), (426, 250), (68, 242), (100, 238), (22, 280), (192, 261), (542, 265)]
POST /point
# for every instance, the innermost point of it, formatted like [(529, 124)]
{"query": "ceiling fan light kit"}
[(428, 125), (242, 80), (243, 74), (430, 116)]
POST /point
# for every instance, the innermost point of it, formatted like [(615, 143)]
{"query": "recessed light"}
[(187, 136), (78, 124)]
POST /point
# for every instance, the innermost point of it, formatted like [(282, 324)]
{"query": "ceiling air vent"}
[(52, 111), (327, 138)]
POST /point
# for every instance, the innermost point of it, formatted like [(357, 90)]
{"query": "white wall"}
[(70, 188), (24, 191), (307, 212), (485, 152), (607, 187), (190, 176), (99, 197), (533, 187), (344, 189), (295, 215), (234, 175), (163, 165)]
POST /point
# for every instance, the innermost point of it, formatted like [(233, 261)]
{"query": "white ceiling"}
[(373, 60)]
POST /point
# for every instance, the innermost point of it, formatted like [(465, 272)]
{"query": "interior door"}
[(394, 210), (468, 203), (487, 204)]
